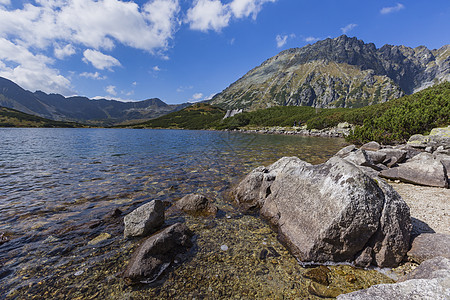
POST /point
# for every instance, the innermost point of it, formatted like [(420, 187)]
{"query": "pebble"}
[(78, 273), (224, 247)]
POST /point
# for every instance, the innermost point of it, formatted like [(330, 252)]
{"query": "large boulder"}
[(196, 204), (157, 253), (329, 212), (144, 219), (429, 245), (423, 169)]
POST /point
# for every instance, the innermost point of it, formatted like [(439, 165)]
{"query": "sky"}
[(187, 50)]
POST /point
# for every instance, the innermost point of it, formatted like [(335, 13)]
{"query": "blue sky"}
[(187, 50)]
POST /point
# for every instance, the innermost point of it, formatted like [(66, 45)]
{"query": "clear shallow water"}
[(60, 187)]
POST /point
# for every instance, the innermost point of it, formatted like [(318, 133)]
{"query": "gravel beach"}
[(430, 207)]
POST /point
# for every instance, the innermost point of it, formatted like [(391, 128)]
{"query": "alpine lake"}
[(62, 232)]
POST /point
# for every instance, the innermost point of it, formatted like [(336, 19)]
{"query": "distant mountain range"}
[(339, 72), (81, 109)]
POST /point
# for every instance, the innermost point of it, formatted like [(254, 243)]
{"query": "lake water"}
[(59, 189)]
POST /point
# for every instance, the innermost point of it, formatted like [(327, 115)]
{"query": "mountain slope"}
[(197, 116), (80, 109), (14, 118), (340, 72)]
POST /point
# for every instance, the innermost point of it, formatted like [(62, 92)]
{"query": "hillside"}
[(197, 116), (340, 72), (14, 118), (80, 109)]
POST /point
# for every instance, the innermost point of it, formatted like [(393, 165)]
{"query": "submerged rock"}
[(196, 204), (157, 253), (144, 219), (329, 212)]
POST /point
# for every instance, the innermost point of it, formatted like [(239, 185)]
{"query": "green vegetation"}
[(197, 116), (14, 118), (389, 122)]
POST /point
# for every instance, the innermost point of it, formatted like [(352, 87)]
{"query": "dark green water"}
[(59, 188)]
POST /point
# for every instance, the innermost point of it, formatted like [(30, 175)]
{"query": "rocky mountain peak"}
[(337, 72)]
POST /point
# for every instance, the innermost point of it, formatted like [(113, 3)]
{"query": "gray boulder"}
[(144, 219), (438, 267), (365, 158), (429, 281), (346, 151), (393, 156), (196, 204), (371, 146), (330, 212), (429, 245), (415, 289), (157, 253), (422, 169)]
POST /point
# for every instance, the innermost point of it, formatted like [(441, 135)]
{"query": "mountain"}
[(339, 72), (14, 118), (81, 109)]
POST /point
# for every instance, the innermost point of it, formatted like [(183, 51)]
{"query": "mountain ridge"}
[(80, 109), (339, 72)]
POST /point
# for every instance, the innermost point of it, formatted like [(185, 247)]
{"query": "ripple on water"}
[(59, 189)]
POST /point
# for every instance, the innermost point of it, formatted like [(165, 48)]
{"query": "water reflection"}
[(59, 189)]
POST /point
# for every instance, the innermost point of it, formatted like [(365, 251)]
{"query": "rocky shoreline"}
[(341, 130), (341, 211)]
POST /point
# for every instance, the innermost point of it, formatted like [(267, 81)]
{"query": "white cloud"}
[(245, 8), (95, 76), (61, 26), (197, 96), (63, 52), (207, 15), (31, 71), (156, 69), (391, 9), (99, 60), (111, 89), (281, 40), (348, 28), (134, 83), (311, 39)]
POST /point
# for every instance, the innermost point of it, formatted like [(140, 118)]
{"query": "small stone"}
[(100, 238), (319, 275), (224, 247), (78, 273)]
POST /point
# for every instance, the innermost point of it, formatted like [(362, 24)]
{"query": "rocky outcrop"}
[(329, 212), (144, 219), (429, 245), (423, 169), (429, 281), (425, 160), (339, 72), (231, 113), (157, 253), (196, 204)]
